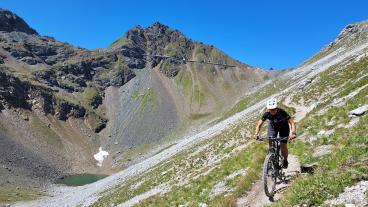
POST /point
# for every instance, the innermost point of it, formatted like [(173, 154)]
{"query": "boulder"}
[(29, 60), (20, 53), (322, 150), (2, 59), (308, 168), (359, 111), (66, 110)]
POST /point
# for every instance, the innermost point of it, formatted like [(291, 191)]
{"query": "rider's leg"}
[(284, 150), (283, 144)]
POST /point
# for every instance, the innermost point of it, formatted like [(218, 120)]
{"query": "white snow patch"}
[(100, 156)]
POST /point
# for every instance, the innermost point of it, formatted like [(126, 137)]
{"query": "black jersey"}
[(279, 121)]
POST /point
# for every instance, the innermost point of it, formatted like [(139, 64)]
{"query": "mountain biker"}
[(279, 123)]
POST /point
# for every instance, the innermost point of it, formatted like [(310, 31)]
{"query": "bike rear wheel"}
[(269, 175)]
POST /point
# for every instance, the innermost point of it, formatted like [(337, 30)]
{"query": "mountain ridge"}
[(216, 166), (173, 130), (60, 103)]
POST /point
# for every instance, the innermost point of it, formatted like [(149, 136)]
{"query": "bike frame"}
[(273, 157), (275, 148)]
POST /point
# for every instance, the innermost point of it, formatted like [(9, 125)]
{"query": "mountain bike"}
[(272, 167)]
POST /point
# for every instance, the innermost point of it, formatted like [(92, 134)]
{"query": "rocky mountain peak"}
[(157, 28), (155, 35), (10, 22), (353, 29)]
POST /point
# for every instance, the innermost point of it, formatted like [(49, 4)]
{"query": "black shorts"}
[(283, 132)]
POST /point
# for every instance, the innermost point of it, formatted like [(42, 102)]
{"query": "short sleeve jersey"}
[(279, 120)]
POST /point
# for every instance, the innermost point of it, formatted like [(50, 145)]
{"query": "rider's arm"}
[(293, 127), (258, 128)]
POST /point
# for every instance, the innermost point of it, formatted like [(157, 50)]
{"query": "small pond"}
[(81, 179)]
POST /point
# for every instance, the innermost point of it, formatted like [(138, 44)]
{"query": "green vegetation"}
[(66, 97), (148, 99), (115, 71), (332, 80), (347, 164), (91, 98), (211, 54), (120, 64), (244, 183), (95, 122), (186, 82), (199, 189), (165, 148), (172, 49), (201, 52), (44, 131), (169, 68), (133, 153), (196, 116), (344, 167), (122, 41), (10, 193), (190, 164), (199, 96), (255, 97)]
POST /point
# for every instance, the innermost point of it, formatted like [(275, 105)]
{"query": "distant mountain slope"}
[(60, 103), (218, 165), (327, 96)]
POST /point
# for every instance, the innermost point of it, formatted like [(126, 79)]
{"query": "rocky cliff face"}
[(10, 22), (67, 69)]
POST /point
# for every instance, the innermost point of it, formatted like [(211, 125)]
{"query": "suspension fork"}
[(278, 156)]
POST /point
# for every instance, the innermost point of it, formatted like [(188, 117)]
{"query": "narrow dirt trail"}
[(256, 196), (300, 109)]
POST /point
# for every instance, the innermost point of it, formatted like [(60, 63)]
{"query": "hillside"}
[(327, 96), (60, 103)]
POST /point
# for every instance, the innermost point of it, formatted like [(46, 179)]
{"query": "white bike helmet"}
[(272, 103)]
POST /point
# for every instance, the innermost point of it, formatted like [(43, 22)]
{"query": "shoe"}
[(285, 164)]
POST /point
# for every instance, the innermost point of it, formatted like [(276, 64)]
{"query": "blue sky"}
[(278, 34)]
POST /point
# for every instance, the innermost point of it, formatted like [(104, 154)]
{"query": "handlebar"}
[(259, 138)]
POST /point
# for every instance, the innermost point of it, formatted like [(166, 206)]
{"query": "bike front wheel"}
[(269, 175)]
